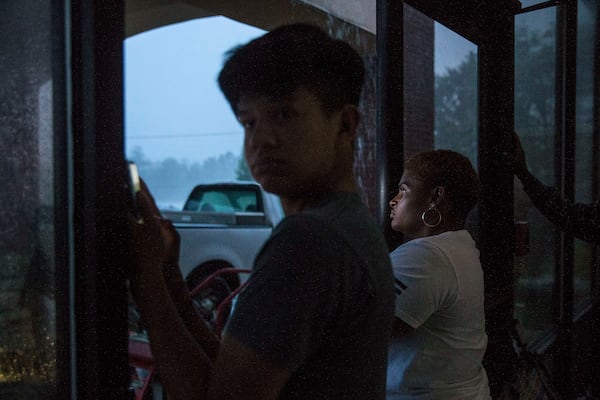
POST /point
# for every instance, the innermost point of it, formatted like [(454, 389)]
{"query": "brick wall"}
[(418, 103)]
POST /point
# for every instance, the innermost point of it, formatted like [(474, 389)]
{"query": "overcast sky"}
[(173, 107)]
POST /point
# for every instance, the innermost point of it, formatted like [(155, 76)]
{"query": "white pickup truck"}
[(222, 225)]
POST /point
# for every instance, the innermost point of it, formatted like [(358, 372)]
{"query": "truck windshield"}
[(223, 200)]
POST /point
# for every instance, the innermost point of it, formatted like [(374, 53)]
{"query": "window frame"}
[(98, 177)]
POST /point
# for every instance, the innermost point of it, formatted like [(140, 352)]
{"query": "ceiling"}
[(353, 20), (148, 14), (352, 17)]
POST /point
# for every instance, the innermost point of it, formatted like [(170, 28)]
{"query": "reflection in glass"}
[(535, 52), (27, 293)]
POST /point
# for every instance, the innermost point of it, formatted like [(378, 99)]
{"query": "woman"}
[(439, 334)]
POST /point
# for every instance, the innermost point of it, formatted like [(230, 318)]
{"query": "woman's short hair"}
[(451, 170), (288, 57)]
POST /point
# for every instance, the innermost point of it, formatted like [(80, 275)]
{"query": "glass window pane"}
[(455, 93), (27, 225), (455, 99), (440, 87), (584, 169), (179, 128), (440, 91), (535, 52)]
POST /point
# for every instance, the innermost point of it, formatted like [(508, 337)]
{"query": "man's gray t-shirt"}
[(320, 302)]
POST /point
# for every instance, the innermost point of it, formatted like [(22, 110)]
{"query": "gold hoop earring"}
[(438, 217)]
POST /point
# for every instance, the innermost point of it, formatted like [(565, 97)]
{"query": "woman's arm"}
[(581, 220)]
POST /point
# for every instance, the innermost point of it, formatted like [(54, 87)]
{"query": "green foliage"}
[(456, 108), (242, 172), (172, 180), (456, 100), (535, 60)]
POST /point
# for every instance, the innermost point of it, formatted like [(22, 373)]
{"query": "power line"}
[(183, 135)]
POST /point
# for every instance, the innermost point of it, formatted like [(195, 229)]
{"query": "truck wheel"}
[(209, 297)]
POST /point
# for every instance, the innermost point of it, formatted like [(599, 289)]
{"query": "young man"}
[(315, 320)]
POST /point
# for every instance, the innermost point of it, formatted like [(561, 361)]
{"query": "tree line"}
[(171, 180)]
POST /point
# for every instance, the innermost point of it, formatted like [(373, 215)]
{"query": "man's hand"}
[(172, 242), (148, 247)]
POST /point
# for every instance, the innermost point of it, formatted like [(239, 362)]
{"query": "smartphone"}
[(134, 188)]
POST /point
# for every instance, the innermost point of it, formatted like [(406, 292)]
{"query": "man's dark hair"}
[(289, 57)]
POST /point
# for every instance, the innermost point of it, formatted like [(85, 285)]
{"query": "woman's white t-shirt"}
[(440, 293)]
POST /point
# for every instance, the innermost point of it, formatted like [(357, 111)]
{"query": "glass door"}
[(535, 70), (458, 94)]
